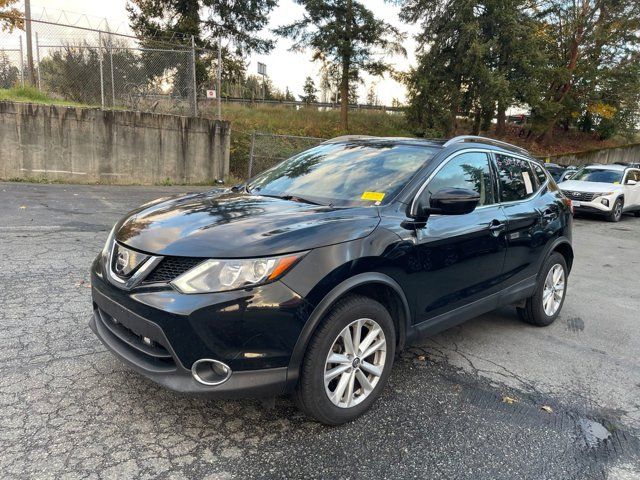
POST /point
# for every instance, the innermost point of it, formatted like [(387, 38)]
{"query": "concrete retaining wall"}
[(628, 153), (92, 145)]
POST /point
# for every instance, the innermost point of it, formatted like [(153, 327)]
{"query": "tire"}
[(312, 394), (534, 310), (636, 213), (616, 211)]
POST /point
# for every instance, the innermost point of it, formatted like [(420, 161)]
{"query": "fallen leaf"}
[(23, 207), (509, 400), (80, 283), (422, 358), (546, 408)]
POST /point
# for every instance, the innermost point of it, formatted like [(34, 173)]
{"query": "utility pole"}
[(193, 73), (219, 92), (27, 14)]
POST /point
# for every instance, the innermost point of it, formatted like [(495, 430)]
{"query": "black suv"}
[(309, 278)]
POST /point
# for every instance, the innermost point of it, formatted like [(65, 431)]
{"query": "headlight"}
[(604, 194), (107, 245), (223, 275)]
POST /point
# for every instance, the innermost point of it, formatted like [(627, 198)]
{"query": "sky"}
[(285, 68)]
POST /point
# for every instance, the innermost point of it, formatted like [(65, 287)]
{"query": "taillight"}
[(568, 203)]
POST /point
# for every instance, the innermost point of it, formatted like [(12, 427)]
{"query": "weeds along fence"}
[(103, 69), (255, 152)]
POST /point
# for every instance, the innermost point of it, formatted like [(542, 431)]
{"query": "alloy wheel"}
[(355, 363), (618, 209), (553, 292)]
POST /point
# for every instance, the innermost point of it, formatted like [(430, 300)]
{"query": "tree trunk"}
[(501, 120), (344, 96), (574, 54), (477, 119)]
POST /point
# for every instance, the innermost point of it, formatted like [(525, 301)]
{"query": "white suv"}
[(606, 189)]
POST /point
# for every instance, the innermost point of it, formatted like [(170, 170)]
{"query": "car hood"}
[(226, 224), (591, 187)]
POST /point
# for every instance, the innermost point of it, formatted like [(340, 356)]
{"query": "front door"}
[(459, 258), (632, 192)]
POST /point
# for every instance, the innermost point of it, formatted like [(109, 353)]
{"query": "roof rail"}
[(345, 138), (490, 141)]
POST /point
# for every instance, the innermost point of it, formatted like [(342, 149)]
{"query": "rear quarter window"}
[(516, 178), (540, 175)]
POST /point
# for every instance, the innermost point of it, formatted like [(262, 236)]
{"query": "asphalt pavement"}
[(493, 398)]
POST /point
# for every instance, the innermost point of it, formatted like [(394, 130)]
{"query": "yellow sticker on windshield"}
[(616, 183), (373, 196)]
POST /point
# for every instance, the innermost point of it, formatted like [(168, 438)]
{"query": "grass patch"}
[(33, 95)]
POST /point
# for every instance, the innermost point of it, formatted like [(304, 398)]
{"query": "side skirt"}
[(513, 294)]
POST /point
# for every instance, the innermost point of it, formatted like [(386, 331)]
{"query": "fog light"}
[(210, 372), (605, 202)]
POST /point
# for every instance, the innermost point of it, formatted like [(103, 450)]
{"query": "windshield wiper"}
[(293, 198)]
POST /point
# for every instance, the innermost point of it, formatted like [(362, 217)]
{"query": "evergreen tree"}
[(239, 25), (479, 57), (237, 22), (347, 33), (309, 89), (372, 97)]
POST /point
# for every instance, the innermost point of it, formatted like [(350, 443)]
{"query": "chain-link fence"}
[(101, 68), (264, 150)]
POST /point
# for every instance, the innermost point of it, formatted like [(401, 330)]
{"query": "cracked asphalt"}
[(464, 404)]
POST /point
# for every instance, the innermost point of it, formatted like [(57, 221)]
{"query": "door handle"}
[(549, 214), (496, 225)]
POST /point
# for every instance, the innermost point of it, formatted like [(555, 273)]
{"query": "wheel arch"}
[(375, 285), (564, 248)]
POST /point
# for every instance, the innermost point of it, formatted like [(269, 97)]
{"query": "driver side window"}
[(468, 170)]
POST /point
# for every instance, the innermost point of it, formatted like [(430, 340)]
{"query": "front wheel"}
[(616, 211), (348, 361), (544, 306)]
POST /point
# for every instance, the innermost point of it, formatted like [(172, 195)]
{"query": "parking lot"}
[(494, 398)]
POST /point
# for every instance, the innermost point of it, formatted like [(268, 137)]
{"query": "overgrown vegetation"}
[(571, 63), (33, 95), (305, 122)]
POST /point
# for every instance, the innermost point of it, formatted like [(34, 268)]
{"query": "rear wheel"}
[(637, 213), (348, 361), (544, 306), (616, 211)]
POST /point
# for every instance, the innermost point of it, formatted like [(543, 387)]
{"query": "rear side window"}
[(542, 177), (468, 170), (516, 178)]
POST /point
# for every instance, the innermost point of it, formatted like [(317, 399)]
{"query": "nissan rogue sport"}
[(309, 278)]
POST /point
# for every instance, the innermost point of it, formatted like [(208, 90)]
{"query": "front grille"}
[(170, 268), (580, 196), (152, 353)]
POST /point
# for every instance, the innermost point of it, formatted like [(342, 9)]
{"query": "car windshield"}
[(344, 174), (602, 175)]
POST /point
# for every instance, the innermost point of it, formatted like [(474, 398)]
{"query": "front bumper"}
[(593, 207), (252, 331)]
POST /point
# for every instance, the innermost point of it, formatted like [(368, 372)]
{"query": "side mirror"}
[(448, 201), (631, 182)]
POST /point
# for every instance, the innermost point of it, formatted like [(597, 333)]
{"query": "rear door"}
[(533, 215)]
